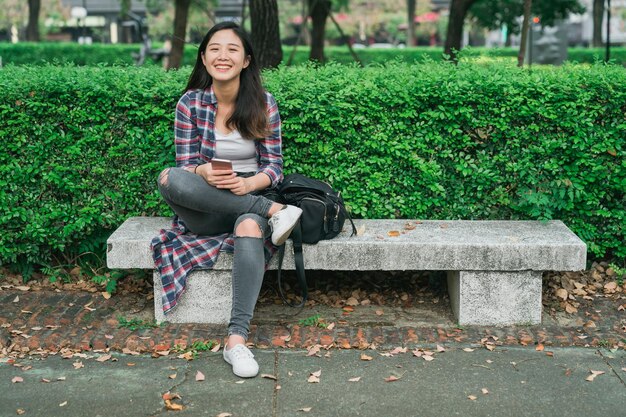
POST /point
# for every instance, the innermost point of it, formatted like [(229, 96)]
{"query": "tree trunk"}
[(458, 11), (318, 10), (598, 16), (266, 33), (410, 32), (180, 30), (524, 40), (32, 30)]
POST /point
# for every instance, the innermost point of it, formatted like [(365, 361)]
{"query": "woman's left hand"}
[(238, 186)]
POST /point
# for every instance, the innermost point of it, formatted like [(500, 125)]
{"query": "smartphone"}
[(221, 164)]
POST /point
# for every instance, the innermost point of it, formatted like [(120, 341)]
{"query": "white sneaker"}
[(283, 222), (242, 361)]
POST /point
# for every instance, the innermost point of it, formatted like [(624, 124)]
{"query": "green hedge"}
[(63, 53), (82, 146)]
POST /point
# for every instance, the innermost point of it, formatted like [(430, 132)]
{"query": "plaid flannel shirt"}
[(176, 251)]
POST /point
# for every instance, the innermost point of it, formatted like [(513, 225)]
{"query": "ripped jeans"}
[(209, 211)]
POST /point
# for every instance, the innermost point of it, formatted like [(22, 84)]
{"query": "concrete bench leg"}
[(207, 299), (495, 297)]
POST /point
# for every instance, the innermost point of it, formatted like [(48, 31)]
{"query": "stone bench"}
[(494, 268)]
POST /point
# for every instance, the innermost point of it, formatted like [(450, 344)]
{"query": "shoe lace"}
[(241, 352)]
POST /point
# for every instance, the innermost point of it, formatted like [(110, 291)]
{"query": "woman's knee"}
[(249, 225), (164, 176)]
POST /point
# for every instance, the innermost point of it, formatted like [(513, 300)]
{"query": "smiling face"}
[(224, 57)]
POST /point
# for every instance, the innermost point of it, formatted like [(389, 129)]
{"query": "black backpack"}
[(323, 217)]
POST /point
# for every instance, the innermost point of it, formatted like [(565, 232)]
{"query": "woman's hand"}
[(225, 179)]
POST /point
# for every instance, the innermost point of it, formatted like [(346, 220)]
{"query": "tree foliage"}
[(495, 14)]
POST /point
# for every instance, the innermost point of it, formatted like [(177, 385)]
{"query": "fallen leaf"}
[(313, 350), (240, 382), (169, 396), (360, 231), (17, 379), (610, 287), (130, 364), (589, 324), (103, 358), (379, 312), (199, 376), (356, 379), (330, 326), (393, 233), (365, 357), (391, 378), (108, 336), (570, 309), (188, 356), (489, 361), (269, 376), (539, 347), (22, 288), (409, 226), (485, 391), (472, 397), (305, 409), (162, 352), (398, 349), (440, 348), (106, 295), (216, 348), (348, 309), (490, 347), (224, 415), (550, 354), (173, 406), (352, 302), (20, 411), (16, 299), (173, 376), (45, 380), (78, 365), (468, 350), (593, 375), (562, 293), (315, 376), (63, 404), (61, 378)]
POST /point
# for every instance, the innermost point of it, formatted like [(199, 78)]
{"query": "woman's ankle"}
[(275, 208), (235, 339)]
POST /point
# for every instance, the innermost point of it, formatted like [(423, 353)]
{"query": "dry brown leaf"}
[(106, 295), (224, 415), (20, 411), (45, 380), (103, 358), (409, 226), (360, 231), (169, 396), (484, 391), (352, 302), (330, 326), (163, 352), (22, 288), (589, 324), (199, 376), (173, 376), (365, 357), (305, 409), (490, 347), (78, 365), (188, 356), (570, 309), (216, 348), (428, 358), (16, 299), (472, 397), (313, 350), (610, 287), (269, 376), (593, 375), (356, 379), (108, 336), (562, 293), (440, 348), (468, 350), (379, 312), (61, 378), (315, 376), (63, 404), (17, 379), (539, 347), (551, 354), (391, 378), (393, 233), (173, 406)]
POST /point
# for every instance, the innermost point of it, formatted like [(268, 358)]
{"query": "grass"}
[(135, 324)]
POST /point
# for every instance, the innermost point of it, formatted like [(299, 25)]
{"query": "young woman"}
[(224, 114)]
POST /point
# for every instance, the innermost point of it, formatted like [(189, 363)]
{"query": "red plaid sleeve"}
[(186, 136), (269, 148)]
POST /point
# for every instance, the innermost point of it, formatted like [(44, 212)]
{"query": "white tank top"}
[(242, 152)]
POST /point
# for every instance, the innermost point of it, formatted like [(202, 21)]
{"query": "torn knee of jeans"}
[(246, 229), (163, 177)]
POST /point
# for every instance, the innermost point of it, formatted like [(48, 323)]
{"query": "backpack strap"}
[(296, 238)]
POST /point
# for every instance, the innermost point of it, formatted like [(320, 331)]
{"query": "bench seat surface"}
[(397, 245)]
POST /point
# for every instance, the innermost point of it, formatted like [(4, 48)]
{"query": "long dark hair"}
[(250, 115)]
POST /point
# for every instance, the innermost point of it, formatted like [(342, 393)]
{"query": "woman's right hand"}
[(216, 178)]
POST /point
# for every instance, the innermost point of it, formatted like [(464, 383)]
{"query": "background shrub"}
[(83, 146)]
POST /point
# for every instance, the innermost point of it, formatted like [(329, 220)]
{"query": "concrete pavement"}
[(517, 381)]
